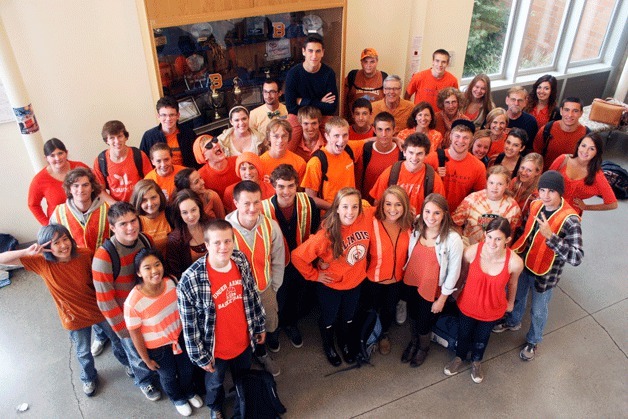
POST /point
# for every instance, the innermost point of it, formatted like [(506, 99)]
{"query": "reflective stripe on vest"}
[(261, 249), (378, 244), (540, 258), (84, 234)]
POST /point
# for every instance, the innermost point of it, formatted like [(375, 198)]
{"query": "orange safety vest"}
[(384, 267), (304, 219), (540, 257), (93, 233), (259, 254)]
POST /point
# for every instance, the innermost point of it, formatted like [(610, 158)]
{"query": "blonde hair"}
[(405, 221)]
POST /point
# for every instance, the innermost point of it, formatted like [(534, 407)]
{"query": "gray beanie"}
[(552, 180)]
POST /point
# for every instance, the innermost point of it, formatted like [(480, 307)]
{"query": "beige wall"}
[(83, 64)]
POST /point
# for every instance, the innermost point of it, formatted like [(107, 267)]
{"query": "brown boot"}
[(421, 354)]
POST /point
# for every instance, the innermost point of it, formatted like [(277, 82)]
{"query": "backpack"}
[(115, 257), (351, 81), (547, 136), (137, 159), (368, 153), (445, 331), (617, 177), (369, 331), (428, 182), (257, 396), (320, 154)]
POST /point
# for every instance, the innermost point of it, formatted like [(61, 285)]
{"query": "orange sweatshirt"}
[(347, 271)]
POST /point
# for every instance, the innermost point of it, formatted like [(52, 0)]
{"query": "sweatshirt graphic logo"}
[(356, 250)]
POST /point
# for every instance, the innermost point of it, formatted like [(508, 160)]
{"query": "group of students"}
[(187, 270)]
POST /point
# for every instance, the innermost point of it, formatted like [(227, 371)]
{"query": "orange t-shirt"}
[(400, 113), (269, 164), (218, 180), (71, 286), (497, 147), (426, 87), (435, 137), (411, 182), (339, 174), (158, 229), (379, 162), (560, 142), (166, 183), (173, 143), (354, 136), (461, 177), (122, 176), (231, 331), (346, 271)]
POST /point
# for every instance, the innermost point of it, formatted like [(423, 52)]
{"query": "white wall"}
[(83, 64)]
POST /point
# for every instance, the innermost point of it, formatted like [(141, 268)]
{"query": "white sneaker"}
[(402, 312), (184, 409), (97, 347), (89, 388), (196, 401)]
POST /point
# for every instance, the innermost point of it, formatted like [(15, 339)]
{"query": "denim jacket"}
[(449, 255)]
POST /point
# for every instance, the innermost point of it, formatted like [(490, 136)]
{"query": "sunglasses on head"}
[(210, 144)]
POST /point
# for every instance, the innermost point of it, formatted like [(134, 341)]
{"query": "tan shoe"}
[(384, 345)]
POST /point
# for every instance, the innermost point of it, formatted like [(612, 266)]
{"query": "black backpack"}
[(257, 396), (369, 332), (137, 159), (115, 257), (428, 182), (320, 154), (617, 177)]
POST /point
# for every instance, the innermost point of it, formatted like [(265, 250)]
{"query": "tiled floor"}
[(581, 369)]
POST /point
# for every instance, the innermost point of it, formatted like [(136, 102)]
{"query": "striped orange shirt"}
[(156, 317)]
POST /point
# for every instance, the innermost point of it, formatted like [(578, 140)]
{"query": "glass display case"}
[(209, 67)]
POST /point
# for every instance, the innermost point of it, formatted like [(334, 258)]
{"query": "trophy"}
[(237, 92), (217, 100)]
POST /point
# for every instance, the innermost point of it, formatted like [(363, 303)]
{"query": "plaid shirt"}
[(567, 244), (198, 313)]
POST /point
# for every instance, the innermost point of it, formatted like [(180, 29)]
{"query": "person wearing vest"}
[(261, 241), (84, 213), (551, 238), (298, 217)]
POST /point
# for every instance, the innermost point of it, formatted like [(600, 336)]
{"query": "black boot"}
[(413, 345), (424, 347), (329, 348), (346, 341)]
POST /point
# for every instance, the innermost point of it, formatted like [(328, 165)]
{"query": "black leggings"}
[(420, 310), (383, 299), (473, 335), (334, 301)]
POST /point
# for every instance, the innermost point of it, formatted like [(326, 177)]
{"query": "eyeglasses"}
[(210, 144), (388, 89), (270, 92), (167, 115)]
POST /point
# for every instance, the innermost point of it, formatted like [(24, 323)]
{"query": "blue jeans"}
[(239, 365), (100, 333), (143, 376), (473, 335), (82, 339), (175, 372), (539, 307)]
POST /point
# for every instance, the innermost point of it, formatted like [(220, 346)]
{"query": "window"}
[(514, 40), (543, 29), (592, 30), (487, 37)]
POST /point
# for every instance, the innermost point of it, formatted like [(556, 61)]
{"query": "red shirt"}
[(218, 180), (484, 296), (231, 329)]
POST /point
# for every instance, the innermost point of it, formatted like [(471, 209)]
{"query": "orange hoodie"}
[(267, 189), (347, 271)]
